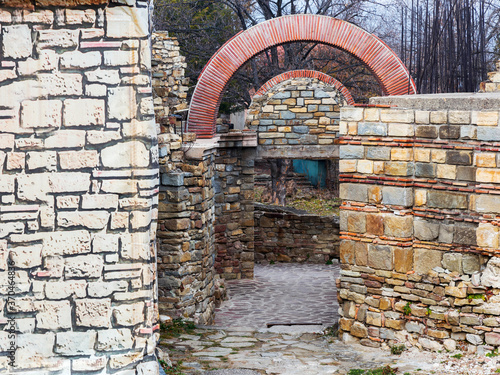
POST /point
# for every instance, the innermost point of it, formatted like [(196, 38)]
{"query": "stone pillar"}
[(78, 189)]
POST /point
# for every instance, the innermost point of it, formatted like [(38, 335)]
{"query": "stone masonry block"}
[(77, 17), (78, 159), (46, 160), (427, 170), (488, 175), (486, 118), (87, 219), (459, 157), (53, 315), (426, 131), (356, 222), (351, 114), (84, 112), (401, 130), (398, 226), (99, 201), (118, 22), (380, 257), (403, 259), (487, 235), (121, 58), (449, 132), (398, 168), (446, 171), (75, 343), (439, 117), (464, 235), (372, 128), (488, 134), (375, 224), (91, 312), (17, 43), (80, 60), (105, 243), (485, 159), (351, 152), (459, 117), (120, 155), (425, 260), (26, 256), (114, 339), (402, 154), (399, 196), (397, 115), (122, 103), (83, 266), (355, 192), (59, 84), (107, 76), (41, 114), (130, 314), (425, 230), (57, 38), (347, 253), (453, 262), (378, 153), (66, 243), (444, 199)]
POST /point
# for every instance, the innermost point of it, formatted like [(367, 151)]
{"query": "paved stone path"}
[(284, 293)]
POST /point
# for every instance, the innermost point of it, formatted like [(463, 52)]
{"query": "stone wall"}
[(234, 225), (298, 111), (78, 189), (288, 236), (419, 222), (169, 83)]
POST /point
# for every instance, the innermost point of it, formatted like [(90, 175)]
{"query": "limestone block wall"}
[(286, 236), (78, 189), (419, 222), (297, 111)]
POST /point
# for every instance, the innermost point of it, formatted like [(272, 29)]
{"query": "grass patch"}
[(178, 327), (172, 370), (398, 349), (457, 356), (386, 370)]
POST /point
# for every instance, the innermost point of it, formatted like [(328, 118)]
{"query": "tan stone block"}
[(459, 117), (420, 197), (77, 17), (378, 167), (365, 166), (356, 222), (486, 118), (119, 220), (352, 128), (385, 303), (78, 159), (87, 219), (26, 256), (59, 84), (361, 253), (41, 114), (439, 117), (372, 114), (401, 130), (66, 243), (446, 171), (351, 113), (345, 324), (83, 266), (380, 257), (425, 260), (117, 17), (397, 115), (487, 235), (398, 168), (347, 254), (438, 156), (325, 141), (343, 127), (15, 160), (374, 194), (93, 312), (375, 224), (422, 154), (398, 226), (403, 259), (487, 175), (395, 324), (421, 117), (84, 112), (64, 289), (403, 154), (485, 159)]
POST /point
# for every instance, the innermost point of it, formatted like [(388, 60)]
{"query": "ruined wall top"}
[(31, 4)]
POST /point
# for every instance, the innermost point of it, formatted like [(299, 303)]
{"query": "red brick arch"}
[(325, 78), (380, 59)]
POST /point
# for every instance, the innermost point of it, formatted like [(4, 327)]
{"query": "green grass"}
[(386, 370), (407, 309), (457, 356), (398, 349), (178, 327)]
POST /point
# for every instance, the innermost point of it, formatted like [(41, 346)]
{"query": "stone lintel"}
[(298, 152)]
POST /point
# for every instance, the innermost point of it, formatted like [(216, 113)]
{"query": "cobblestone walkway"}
[(281, 293)]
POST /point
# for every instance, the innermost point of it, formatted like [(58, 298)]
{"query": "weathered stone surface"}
[(93, 312), (446, 199), (119, 155), (84, 112), (53, 314), (425, 260), (398, 226), (114, 339), (491, 274), (73, 242), (380, 257), (17, 43), (129, 315), (453, 262), (397, 196), (26, 256), (359, 330), (425, 230), (122, 104), (83, 266), (118, 22), (465, 235), (403, 259), (355, 192), (75, 343), (41, 114), (87, 219)]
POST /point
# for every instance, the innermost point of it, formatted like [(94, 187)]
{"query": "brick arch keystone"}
[(388, 69), (325, 78)]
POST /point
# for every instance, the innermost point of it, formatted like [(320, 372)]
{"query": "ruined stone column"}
[(78, 189)]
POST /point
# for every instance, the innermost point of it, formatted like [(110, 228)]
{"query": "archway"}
[(388, 69), (303, 73)]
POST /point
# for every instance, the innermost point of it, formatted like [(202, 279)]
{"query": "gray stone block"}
[(399, 196), (354, 192), (378, 153), (487, 203), (453, 262), (351, 152), (466, 173), (427, 170), (321, 94), (380, 257), (443, 199), (425, 230), (173, 179), (372, 128), (464, 235), (287, 115), (301, 129), (488, 133), (282, 95), (470, 263), (445, 233)]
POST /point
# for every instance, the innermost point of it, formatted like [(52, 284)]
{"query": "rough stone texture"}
[(76, 282), (443, 256), (292, 237)]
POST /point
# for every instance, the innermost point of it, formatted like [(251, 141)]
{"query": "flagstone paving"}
[(284, 293), (239, 343)]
